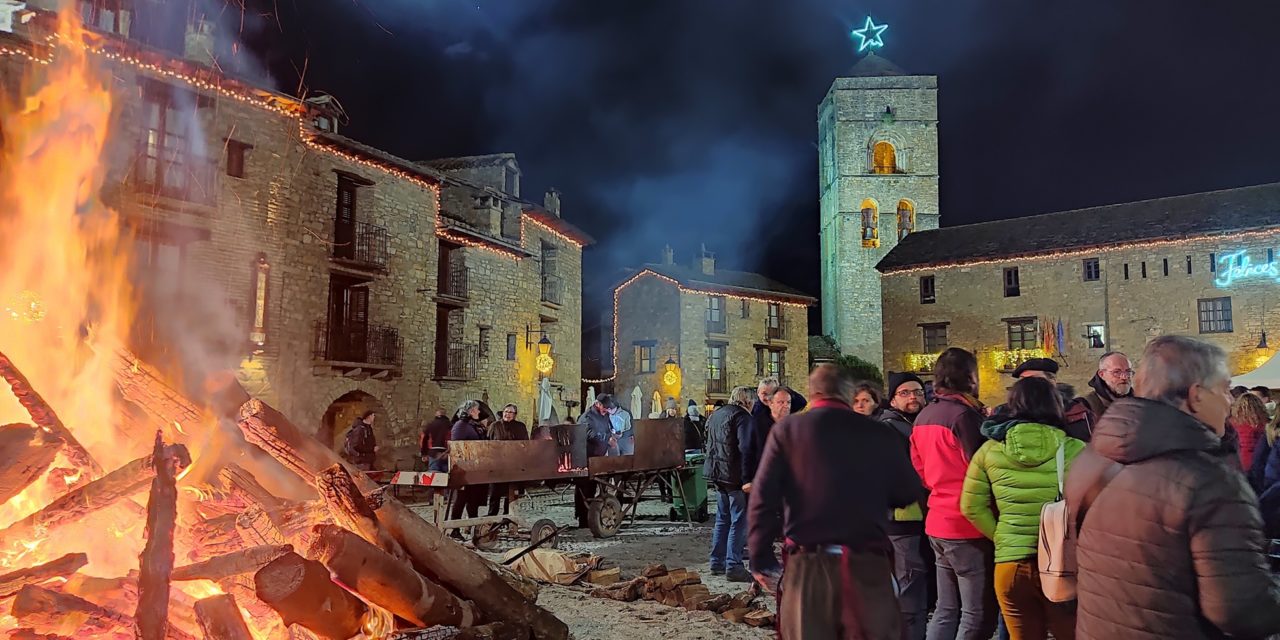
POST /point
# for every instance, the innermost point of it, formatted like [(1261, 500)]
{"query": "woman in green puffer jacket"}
[(1009, 479)]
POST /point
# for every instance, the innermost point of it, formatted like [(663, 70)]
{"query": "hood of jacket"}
[(1104, 392), (1029, 444), (1135, 429)]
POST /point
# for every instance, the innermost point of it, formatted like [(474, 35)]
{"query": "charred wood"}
[(25, 454), (94, 496), (11, 582), (388, 582), (301, 591), (45, 418), (220, 619), (45, 610), (156, 561), (236, 563), (352, 511)]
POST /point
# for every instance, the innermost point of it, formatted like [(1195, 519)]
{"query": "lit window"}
[(906, 218), (770, 363), (870, 224), (1024, 333), (1095, 336), (884, 158)]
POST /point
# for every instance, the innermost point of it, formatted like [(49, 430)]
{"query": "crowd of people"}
[(917, 513)]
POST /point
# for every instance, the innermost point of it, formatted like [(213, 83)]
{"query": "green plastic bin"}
[(689, 490)]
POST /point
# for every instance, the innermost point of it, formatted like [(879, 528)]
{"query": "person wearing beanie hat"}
[(905, 394)]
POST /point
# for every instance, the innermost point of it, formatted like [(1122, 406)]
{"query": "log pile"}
[(336, 559), (684, 588)]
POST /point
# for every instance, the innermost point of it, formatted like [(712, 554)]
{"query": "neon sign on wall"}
[(1237, 266)]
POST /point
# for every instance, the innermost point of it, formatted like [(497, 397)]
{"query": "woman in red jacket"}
[(946, 435), (1249, 419)]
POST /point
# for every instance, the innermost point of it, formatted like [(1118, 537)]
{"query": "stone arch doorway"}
[(343, 411)]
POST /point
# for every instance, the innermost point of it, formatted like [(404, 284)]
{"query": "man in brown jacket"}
[(1170, 542)]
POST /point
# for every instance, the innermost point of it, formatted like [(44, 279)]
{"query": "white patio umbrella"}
[(545, 408), (657, 405), (591, 398), (637, 399)]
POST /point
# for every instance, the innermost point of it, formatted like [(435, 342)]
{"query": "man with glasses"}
[(906, 525), (1114, 380)]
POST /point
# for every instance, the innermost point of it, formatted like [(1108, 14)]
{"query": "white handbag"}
[(1057, 549)]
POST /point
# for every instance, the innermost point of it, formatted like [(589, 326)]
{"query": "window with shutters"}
[(551, 283), (166, 163), (645, 355), (484, 341), (771, 363), (715, 314), (1024, 333), (935, 337), (348, 318), (344, 223)]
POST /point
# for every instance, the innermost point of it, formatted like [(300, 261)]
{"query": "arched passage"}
[(343, 411)]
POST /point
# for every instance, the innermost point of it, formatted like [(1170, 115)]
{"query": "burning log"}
[(352, 511), (26, 453), (244, 561), (242, 484), (212, 538), (387, 582), (42, 609), (220, 619), (11, 583), (432, 553), (45, 418), (120, 594), (290, 525), (301, 592), (156, 562), (95, 496)]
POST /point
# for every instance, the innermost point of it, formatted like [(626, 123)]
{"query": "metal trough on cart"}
[(611, 485)]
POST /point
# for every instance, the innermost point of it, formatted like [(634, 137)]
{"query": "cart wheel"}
[(541, 529), (701, 514), (485, 536), (604, 517)]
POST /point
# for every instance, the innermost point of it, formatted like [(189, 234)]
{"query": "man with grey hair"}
[(762, 419), (1113, 380), (1169, 541), (728, 455)]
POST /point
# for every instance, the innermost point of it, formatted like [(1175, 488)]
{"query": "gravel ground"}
[(651, 538)]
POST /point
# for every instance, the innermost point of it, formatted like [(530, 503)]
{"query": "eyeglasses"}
[(907, 393), (1128, 373)]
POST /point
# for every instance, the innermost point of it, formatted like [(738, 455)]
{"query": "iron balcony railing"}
[(459, 362), (457, 283), (717, 386), (362, 244), (552, 289), (360, 344)]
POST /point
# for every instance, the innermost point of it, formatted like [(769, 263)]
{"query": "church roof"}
[(1205, 214), (875, 66)]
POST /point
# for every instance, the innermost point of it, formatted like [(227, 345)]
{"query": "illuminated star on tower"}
[(869, 35)]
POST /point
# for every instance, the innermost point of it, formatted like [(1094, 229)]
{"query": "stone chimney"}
[(487, 213), (668, 255), (708, 262), (198, 44), (551, 201)]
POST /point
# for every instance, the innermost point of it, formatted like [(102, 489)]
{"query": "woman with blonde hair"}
[(1249, 419)]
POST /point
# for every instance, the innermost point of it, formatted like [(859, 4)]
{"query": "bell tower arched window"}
[(870, 223), (884, 158), (906, 218)]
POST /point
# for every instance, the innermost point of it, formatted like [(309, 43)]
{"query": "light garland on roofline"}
[(524, 217), (1084, 251)]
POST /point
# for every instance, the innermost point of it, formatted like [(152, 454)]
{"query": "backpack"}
[(1056, 553), (351, 444)]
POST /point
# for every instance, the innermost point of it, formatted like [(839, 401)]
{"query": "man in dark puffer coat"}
[(1172, 546)]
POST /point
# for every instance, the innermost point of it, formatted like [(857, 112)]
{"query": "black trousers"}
[(469, 498), (584, 489)]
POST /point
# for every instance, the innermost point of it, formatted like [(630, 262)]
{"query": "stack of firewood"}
[(347, 559), (684, 588)]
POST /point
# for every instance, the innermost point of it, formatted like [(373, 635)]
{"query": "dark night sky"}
[(683, 121)]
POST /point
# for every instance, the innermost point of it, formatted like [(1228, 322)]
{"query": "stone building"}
[(334, 277), (877, 183), (1112, 277), (695, 332)]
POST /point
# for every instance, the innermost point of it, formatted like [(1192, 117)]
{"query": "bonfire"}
[(129, 508)]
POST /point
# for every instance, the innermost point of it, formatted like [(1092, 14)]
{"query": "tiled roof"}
[(1188, 216), (875, 66), (376, 155), (470, 162), (742, 283), (559, 224)]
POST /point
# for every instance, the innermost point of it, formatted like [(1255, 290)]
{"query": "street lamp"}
[(544, 362), (672, 373)]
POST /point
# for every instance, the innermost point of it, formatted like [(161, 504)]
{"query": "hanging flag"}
[(1062, 343)]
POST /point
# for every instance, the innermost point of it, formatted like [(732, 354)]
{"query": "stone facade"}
[(671, 318), (857, 114), (1129, 310), (268, 201)]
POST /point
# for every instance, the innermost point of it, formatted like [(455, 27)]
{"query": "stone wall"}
[(1132, 310)]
